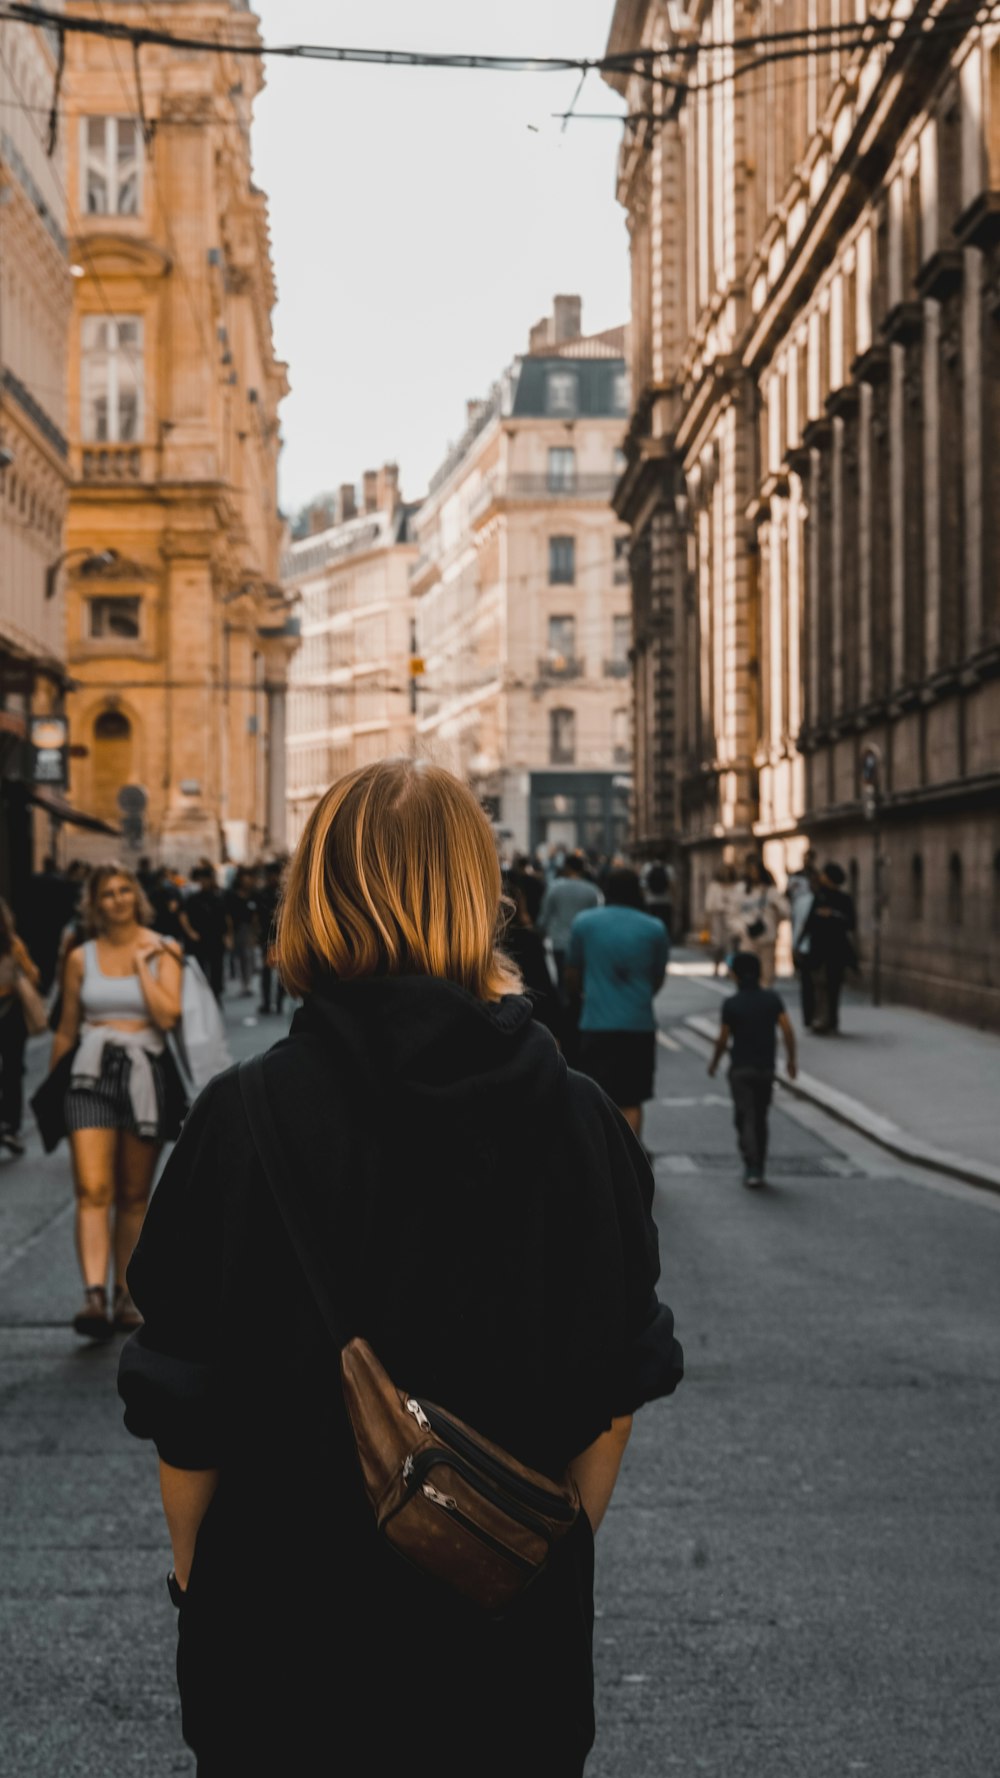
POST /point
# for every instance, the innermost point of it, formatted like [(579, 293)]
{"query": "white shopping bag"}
[(199, 1041)]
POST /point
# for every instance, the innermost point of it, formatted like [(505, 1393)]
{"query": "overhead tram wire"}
[(818, 39)]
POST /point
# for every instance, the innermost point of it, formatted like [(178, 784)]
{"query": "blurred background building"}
[(351, 685), (521, 596), (178, 631), (812, 467), (35, 302)]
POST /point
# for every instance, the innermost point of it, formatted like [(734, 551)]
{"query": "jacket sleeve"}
[(168, 1376)]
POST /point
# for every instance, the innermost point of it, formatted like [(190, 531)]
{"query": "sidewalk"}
[(921, 1086)]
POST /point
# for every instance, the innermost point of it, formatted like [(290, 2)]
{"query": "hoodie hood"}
[(446, 1050)]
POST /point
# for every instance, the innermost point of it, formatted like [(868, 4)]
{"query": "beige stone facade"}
[(180, 646), (350, 689), (521, 596), (35, 302), (815, 437)]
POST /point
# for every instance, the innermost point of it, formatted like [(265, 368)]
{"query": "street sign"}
[(49, 748)]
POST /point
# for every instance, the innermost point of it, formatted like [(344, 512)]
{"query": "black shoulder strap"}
[(283, 1189)]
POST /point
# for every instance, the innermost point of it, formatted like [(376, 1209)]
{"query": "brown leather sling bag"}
[(457, 1506)]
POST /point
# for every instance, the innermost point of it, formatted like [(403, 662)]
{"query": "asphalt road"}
[(798, 1573)]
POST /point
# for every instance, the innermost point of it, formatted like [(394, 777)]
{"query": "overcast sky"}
[(423, 219)]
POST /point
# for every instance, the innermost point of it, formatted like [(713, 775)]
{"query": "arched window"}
[(112, 761), (955, 908)]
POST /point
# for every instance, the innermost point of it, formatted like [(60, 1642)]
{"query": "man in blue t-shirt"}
[(617, 959), (752, 1017)]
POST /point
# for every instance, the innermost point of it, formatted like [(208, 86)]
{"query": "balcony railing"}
[(561, 666), (616, 669), (543, 487), (111, 463)]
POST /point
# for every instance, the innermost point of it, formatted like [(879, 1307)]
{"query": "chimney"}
[(317, 518), (346, 502), (387, 488), (568, 319), (540, 337), (473, 410), (369, 490)]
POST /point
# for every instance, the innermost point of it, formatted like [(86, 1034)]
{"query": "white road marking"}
[(678, 1163), (669, 1043), (676, 1103)]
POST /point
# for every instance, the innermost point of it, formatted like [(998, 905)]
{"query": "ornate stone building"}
[(35, 300), (816, 431), (180, 644), (521, 596), (351, 691)]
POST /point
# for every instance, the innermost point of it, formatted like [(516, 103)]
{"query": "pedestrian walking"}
[(830, 928), (19, 977), (568, 895), (524, 945), (112, 1086), (750, 1018), (241, 907), (617, 962), (759, 907), (268, 901), (657, 880), (208, 917), (482, 1217), (720, 915), (801, 893)]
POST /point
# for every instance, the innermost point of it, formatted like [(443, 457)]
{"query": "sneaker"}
[(92, 1322), (753, 1181), (125, 1317)]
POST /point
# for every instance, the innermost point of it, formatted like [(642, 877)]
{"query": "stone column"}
[(941, 280), (843, 406), (277, 697), (818, 439), (873, 368), (904, 327), (980, 227)]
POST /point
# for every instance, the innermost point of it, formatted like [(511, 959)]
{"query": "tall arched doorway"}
[(112, 761)]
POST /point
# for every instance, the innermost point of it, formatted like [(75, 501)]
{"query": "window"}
[(562, 469), (956, 911), (562, 737), (621, 561), (562, 561), (110, 164), (621, 737), (916, 887), (111, 761), (111, 379), (620, 392), (114, 619), (621, 638), (561, 392), (619, 461), (562, 641)]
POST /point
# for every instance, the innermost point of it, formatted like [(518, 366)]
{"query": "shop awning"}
[(61, 810)]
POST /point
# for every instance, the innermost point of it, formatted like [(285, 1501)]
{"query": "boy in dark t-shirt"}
[(751, 1017)]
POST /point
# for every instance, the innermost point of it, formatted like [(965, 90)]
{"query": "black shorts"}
[(622, 1062)]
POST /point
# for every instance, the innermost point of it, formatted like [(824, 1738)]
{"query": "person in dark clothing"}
[(525, 946), (268, 899), (208, 917), (168, 909), (241, 906), (16, 963), (829, 928), (488, 1230), (750, 1017), (48, 906)]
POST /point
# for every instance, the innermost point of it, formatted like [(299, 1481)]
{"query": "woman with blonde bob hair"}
[(483, 1216)]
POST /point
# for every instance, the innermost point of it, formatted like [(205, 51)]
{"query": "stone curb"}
[(871, 1123)]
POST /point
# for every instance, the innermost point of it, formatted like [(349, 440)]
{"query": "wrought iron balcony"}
[(616, 668), (561, 666)]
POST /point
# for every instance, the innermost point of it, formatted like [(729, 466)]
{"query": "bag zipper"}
[(551, 1506), (416, 1469), (449, 1504)]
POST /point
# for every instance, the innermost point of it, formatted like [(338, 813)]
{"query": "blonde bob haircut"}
[(395, 874), (95, 884)]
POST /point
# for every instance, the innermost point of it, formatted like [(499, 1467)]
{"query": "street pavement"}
[(797, 1574)]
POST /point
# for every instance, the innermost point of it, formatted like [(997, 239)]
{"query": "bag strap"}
[(265, 1140)]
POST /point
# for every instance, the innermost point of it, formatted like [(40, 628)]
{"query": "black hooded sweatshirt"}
[(484, 1215)]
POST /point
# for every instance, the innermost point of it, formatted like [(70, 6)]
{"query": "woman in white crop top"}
[(122, 992)]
